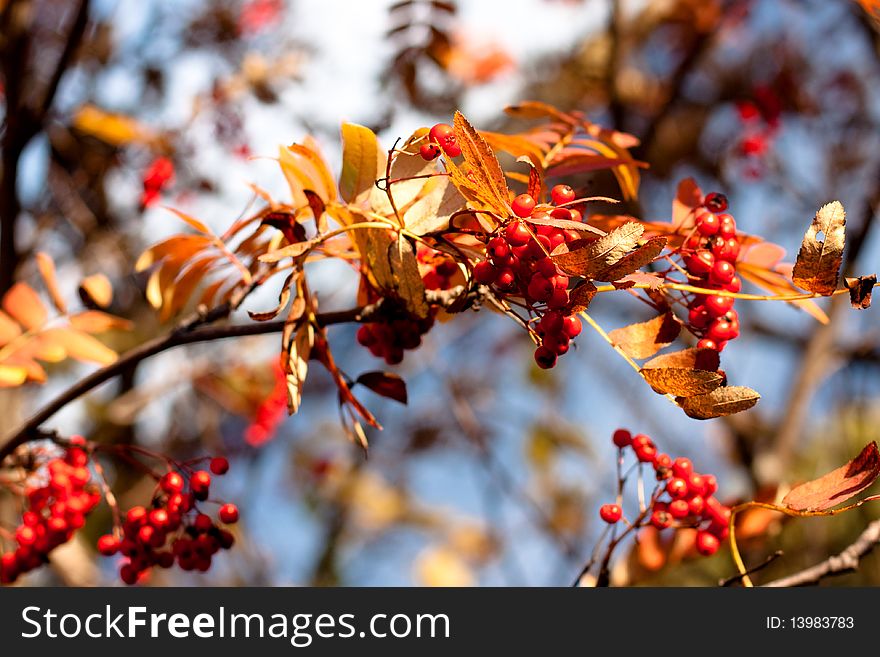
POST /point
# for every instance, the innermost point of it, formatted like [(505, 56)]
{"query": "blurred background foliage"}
[(495, 470)]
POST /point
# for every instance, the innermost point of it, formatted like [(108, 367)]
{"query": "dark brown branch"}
[(74, 38), (845, 562), (194, 329)]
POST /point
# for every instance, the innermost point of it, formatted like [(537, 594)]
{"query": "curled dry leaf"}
[(681, 382), (860, 290), (386, 384), (818, 262), (837, 486), (601, 254), (634, 261), (719, 402), (581, 297), (645, 339), (700, 359)]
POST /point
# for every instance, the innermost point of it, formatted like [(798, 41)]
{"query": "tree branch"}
[(194, 329), (845, 562)]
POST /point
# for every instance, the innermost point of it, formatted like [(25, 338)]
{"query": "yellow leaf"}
[(488, 180), (818, 262), (12, 376), (192, 221), (362, 163), (95, 321), (25, 306), (304, 168), (9, 329), (114, 129), (47, 271)]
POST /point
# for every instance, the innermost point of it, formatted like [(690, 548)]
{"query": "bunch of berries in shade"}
[(441, 139), (710, 255), (682, 497), (55, 510), (157, 176), (270, 413), (173, 529), (391, 336), (518, 264)]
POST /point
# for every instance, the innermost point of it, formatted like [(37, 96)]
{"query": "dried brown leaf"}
[(681, 382), (603, 253), (720, 402), (387, 384), (645, 339), (837, 486), (581, 297), (483, 167), (860, 290), (634, 261), (700, 359), (818, 262)]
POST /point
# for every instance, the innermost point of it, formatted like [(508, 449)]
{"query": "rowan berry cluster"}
[(518, 263), (270, 413), (159, 174), (710, 255), (55, 510), (173, 528), (441, 139), (682, 498), (389, 338)]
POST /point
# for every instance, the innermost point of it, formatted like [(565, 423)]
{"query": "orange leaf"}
[(647, 338), (47, 271), (95, 321), (81, 346), (9, 329), (25, 306), (387, 384), (96, 290), (488, 177), (837, 486), (12, 376), (192, 221)]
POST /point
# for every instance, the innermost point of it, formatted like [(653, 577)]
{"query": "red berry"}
[(229, 514), (710, 483), (682, 468), (722, 272), (706, 343), (540, 288), (700, 263), (696, 504), (108, 545), (716, 202), (645, 453), (561, 194), (136, 515), (718, 305), (571, 326), (441, 132), (725, 249), (726, 226), (610, 513), (429, 151), (172, 482), (622, 438), (200, 483), (707, 224), (699, 317), (678, 509), (219, 465), (735, 285), (677, 488), (505, 279), (517, 234), (485, 273), (545, 358), (203, 523), (523, 205), (707, 544), (660, 518), (722, 330)]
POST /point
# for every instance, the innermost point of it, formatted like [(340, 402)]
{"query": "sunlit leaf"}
[(722, 401), (818, 262), (601, 254), (96, 290), (645, 339), (387, 384), (25, 306), (363, 162), (81, 346), (837, 486), (50, 278)]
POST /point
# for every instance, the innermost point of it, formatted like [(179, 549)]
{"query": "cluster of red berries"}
[(759, 124), (441, 139), (270, 413), (389, 338), (518, 263), (159, 174), (710, 255), (686, 498), (55, 511), (173, 529)]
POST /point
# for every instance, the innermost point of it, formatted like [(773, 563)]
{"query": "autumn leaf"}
[(681, 382), (488, 179), (386, 384), (439, 199), (296, 346), (632, 262), (24, 305), (722, 401), (95, 321), (818, 262), (111, 128), (362, 162), (860, 290), (694, 358), (603, 253), (645, 339), (837, 486), (50, 278), (9, 329), (688, 198), (95, 290), (12, 376), (81, 346), (304, 168), (580, 297)]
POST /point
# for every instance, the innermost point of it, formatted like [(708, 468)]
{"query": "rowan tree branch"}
[(839, 564), (196, 328)]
